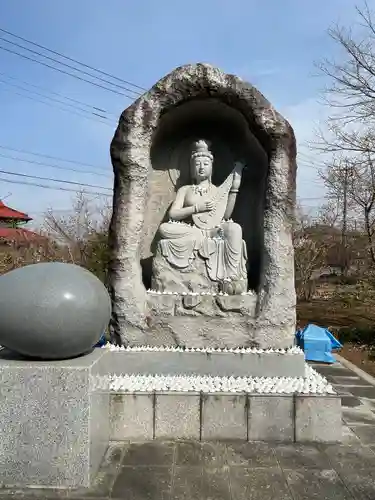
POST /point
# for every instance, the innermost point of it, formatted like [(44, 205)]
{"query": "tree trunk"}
[(369, 236), (344, 247)]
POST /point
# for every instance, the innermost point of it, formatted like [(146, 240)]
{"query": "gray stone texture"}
[(54, 421), (256, 417), (224, 416), (144, 188), (132, 416), (318, 418), (52, 310), (202, 331), (271, 418), (223, 306), (310, 471), (189, 469), (177, 416), (223, 364)]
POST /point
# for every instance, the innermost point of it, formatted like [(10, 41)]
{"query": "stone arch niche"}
[(150, 156), (231, 140)]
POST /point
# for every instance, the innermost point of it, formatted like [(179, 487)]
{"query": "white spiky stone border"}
[(313, 383), (295, 350), (195, 294)]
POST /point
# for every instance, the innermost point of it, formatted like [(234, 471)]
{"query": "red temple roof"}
[(10, 213)]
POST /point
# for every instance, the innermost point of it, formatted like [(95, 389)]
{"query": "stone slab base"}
[(222, 364), (54, 420), (216, 416)]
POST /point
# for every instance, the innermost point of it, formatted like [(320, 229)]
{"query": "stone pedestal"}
[(54, 420), (217, 364), (255, 396)]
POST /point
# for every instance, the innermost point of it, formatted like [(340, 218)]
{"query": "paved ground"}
[(251, 471)]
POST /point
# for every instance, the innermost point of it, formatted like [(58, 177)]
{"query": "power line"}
[(56, 210), (314, 166), (66, 72), (50, 165), (300, 164), (94, 113), (310, 157), (310, 181), (53, 180), (56, 188), (76, 101), (72, 60), (35, 99), (80, 171), (312, 161), (24, 151), (136, 92), (316, 198)]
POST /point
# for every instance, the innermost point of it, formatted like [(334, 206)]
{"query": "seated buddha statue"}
[(200, 222)]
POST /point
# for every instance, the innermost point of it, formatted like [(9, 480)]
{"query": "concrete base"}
[(253, 417), (54, 421), (221, 364)]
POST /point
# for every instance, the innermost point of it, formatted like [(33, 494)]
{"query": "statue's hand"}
[(205, 206), (237, 175)]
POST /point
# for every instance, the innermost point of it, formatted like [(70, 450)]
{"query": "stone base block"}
[(132, 416), (271, 418), (221, 364), (54, 420), (318, 419), (224, 416), (221, 416), (177, 415)]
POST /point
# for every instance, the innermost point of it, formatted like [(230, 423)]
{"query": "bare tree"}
[(82, 232), (353, 180), (329, 214), (349, 132), (15, 254), (351, 90), (309, 255)]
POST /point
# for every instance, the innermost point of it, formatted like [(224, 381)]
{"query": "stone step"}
[(220, 416), (294, 409), (245, 362)]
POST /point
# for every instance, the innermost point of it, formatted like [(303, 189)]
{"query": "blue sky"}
[(271, 43)]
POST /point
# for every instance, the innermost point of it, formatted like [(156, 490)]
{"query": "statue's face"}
[(201, 167)]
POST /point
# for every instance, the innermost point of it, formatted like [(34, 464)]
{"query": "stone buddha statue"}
[(200, 231)]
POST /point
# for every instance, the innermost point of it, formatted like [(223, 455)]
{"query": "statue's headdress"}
[(201, 148)]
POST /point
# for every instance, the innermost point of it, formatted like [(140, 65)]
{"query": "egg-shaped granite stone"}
[(52, 310)]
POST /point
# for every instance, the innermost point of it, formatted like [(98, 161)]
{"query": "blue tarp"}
[(102, 341), (317, 343)]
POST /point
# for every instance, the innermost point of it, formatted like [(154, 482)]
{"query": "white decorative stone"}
[(312, 383), (290, 351)]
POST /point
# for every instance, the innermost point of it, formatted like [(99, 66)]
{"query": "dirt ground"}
[(360, 356)]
